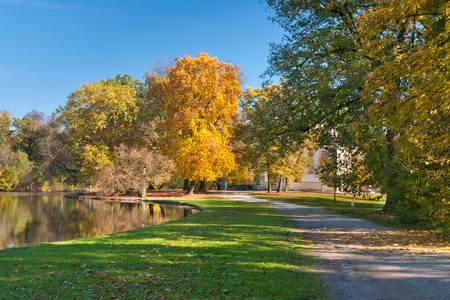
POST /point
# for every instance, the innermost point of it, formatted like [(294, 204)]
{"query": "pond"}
[(28, 219)]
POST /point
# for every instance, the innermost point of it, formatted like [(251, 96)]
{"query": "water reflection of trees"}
[(116, 217), (34, 219)]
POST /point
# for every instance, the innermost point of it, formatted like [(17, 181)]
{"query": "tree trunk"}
[(203, 185), (190, 190), (334, 195), (269, 187), (390, 174), (286, 186), (143, 192), (279, 186), (186, 185), (390, 169)]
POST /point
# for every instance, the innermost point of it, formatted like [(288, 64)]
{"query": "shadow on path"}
[(361, 260)]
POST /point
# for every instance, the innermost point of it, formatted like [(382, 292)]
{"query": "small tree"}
[(134, 169), (293, 167), (328, 169)]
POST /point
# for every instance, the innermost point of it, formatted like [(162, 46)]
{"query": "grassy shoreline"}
[(228, 250)]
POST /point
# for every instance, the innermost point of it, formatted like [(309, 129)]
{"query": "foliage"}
[(132, 168), (293, 166), (228, 250), (15, 169), (197, 100), (6, 180), (269, 153), (5, 122), (327, 170), (409, 92), (55, 153), (99, 117), (25, 135), (374, 71), (243, 173), (344, 170), (35, 152)]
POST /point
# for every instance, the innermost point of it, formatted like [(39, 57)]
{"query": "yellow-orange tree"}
[(197, 100)]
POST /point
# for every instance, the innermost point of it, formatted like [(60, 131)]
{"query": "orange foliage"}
[(197, 100)]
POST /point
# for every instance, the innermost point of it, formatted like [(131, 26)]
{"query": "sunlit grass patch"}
[(229, 250)]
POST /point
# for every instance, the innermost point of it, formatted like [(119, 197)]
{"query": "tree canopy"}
[(269, 151), (197, 100), (99, 117)]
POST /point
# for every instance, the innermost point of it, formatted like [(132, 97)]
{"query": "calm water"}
[(30, 219)]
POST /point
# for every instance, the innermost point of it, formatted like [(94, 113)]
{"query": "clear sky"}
[(49, 48)]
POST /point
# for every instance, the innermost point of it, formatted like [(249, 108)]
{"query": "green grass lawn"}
[(229, 250), (364, 207)]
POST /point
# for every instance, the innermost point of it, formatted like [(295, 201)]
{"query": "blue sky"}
[(49, 48)]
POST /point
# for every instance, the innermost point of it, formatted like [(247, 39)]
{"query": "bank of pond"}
[(28, 219)]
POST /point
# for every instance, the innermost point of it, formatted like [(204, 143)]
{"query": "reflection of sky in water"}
[(31, 219)]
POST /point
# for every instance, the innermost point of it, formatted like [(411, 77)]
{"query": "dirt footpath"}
[(361, 260)]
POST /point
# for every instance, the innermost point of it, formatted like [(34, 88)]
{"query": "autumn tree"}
[(323, 64), (293, 167), (133, 168), (197, 100), (101, 116), (408, 93)]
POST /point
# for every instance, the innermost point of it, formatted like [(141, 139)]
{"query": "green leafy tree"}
[(374, 70), (57, 164), (5, 123), (15, 169), (101, 116), (26, 134), (45, 143), (270, 153)]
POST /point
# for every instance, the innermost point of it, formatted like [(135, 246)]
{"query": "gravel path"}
[(357, 259)]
